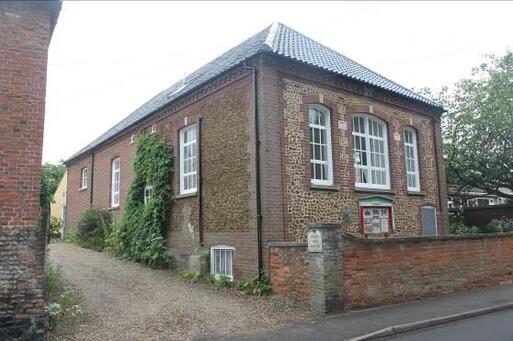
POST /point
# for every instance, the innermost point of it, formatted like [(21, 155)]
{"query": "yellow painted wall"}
[(59, 199)]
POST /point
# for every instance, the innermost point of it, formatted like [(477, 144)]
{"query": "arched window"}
[(411, 160), (321, 163), (370, 152)]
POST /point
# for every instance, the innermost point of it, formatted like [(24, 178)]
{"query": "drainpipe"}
[(92, 179), (257, 168), (440, 201), (200, 186)]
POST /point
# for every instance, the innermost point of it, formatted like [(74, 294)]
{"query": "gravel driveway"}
[(127, 301)]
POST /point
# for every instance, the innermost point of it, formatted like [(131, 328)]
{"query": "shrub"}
[(220, 281), (54, 228), (258, 285), (460, 228), (92, 229), (192, 277), (71, 238), (499, 225)]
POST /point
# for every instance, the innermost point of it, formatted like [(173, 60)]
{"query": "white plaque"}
[(314, 241)]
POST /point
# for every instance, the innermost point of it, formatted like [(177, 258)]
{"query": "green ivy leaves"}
[(141, 234)]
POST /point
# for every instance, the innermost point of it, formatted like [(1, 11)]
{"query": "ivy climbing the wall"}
[(141, 234)]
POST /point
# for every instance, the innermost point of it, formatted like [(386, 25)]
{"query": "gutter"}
[(257, 168), (440, 199)]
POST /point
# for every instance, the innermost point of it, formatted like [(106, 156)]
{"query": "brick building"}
[(274, 134), (25, 31)]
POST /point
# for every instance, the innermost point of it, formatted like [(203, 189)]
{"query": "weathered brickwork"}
[(386, 271), (288, 269), (228, 201), (25, 30), (306, 204)]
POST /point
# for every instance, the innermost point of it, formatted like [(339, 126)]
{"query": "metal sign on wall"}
[(314, 241)]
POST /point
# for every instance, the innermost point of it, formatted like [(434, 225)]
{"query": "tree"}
[(51, 175), (478, 128)]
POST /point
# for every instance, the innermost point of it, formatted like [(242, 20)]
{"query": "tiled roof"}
[(276, 39)]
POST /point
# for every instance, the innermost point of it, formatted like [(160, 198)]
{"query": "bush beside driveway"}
[(128, 301)]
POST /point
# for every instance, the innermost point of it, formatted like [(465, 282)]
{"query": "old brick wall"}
[(78, 198), (377, 272), (289, 92), (288, 269), (228, 199), (25, 30)]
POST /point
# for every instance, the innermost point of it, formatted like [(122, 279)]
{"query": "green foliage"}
[(258, 286), (478, 139), (92, 229), (141, 235), (54, 228), (192, 277), (112, 241), (220, 281), (52, 280), (495, 226), (460, 228), (51, 175), (59, 299), (71, 238), (499, 225)]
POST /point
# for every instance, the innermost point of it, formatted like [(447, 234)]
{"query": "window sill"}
[(113, 208), (417, 193), (374, 190), (82, 189), (324, 188), (186, 195)]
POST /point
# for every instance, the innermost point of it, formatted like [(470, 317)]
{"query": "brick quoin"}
[(25, 31)]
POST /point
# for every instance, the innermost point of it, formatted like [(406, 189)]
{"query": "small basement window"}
[(221, 261)]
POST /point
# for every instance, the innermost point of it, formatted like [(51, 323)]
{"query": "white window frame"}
[(194, 158), (414, 146), (367, 119), (221, 248), (114, 194), (329, 161), (83, 178), (132, 138), (153, 129), (148, 193)]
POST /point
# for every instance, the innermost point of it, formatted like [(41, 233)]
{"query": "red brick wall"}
[(25, 30), (377, 272), (288, 268), (225, 108)]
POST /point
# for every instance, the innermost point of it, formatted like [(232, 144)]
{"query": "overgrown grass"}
[(60, 300)]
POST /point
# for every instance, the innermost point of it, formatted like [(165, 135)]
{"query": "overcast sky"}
[(107, 59)]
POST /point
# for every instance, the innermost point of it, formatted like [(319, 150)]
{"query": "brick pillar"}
[(325, 264)]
